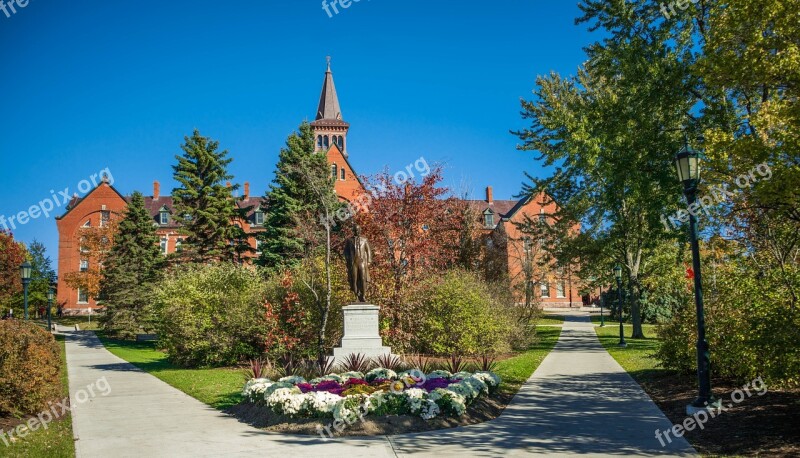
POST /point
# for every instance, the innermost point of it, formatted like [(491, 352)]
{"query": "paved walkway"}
[(578, 402)]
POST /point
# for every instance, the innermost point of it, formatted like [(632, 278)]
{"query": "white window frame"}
[(544, 288), (561, 289), (80, 293), (84, 262), (164, 244)]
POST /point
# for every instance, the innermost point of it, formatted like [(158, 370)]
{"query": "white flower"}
[(254, 388), (415, 393), (352, 374), (320, 402), (382, 373), (490, 378), (429, 409), (293, 379), (439, 374)]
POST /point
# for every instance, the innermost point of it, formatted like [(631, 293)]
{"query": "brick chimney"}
[(489, 195), (156, 190), (246, 190)]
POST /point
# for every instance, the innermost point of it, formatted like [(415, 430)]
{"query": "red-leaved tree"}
[(414, 229), (12, 254)]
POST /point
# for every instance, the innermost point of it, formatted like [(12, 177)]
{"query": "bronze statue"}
[(358, 255)]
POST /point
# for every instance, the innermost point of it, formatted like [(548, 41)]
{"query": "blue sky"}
[(87, 85)]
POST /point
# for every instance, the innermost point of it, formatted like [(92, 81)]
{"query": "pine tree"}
[(131, 271), (291, 200), (206, 204), (42, 274)]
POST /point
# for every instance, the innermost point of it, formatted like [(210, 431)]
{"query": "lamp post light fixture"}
[(50, 294), (618, 276), (25, 274), (687, 163)]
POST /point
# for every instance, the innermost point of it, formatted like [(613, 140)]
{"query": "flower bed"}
[(378, 392)]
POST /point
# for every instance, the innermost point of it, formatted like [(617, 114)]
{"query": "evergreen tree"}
[(292, 199), (131, 271), (206, 204), (42, 274)]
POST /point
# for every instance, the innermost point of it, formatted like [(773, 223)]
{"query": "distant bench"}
[(146, 337)]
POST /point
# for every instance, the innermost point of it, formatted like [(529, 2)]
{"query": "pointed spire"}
[(328, 100)]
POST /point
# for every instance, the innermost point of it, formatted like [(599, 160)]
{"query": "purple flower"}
[(327, 385), (305, 387), (432, 384)]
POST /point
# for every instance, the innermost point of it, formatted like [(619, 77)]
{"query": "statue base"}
[(361, 334)]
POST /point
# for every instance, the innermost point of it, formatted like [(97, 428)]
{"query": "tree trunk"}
[(634, 260)]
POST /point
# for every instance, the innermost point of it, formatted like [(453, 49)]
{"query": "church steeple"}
[(329, 127)]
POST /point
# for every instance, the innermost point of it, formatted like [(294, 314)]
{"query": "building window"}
[(488, 218), (164, 245), (319, 141), (542, 218), (84, 265), (258, 247), (560, 288), (341, 174), (163, 218), (88, 223), (105, 215), (341, 142), (259, 218), (425, 227), (178, 245), (83, 296), (84, 249), (545, 289), (333, 171), (325, 142)]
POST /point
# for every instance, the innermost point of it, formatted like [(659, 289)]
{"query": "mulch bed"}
[(482, 409), (767, 425)]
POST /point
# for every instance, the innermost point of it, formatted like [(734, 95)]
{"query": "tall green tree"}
[(205, 204), (611, 132), (299, 191), (42, 274), (132, 269)]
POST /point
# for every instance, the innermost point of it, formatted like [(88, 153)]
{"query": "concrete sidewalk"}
[(579, 401)]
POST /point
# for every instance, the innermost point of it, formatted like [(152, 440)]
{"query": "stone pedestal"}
[(360, 333)]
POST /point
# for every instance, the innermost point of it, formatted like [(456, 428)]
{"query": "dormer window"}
[(163, 216), (258, 218), (488, 218)]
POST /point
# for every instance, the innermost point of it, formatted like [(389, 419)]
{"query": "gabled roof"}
[(75, 201)]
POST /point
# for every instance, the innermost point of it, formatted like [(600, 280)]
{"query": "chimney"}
[(156, 190), (489, 196), (228, 184), (246, 190)]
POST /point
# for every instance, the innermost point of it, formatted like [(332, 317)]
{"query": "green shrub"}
[(461, 316), (751, 327), (30, 362), (211, 315)]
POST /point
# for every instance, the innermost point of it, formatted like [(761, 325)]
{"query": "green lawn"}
[(550, 320), (516, 370), (636, 359), (218, 387), (82, 321), (55, 441)]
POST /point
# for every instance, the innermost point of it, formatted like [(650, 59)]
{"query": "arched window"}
[(319, 141), (342, 173), (325, 142), (333, 171), (341, 143)]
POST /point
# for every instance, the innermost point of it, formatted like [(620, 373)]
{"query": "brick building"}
[(95, 209)]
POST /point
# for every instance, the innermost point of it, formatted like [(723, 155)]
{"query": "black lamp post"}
[(618, 276), (25, 273), (50, 294), (687, 164), (602, 320)]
